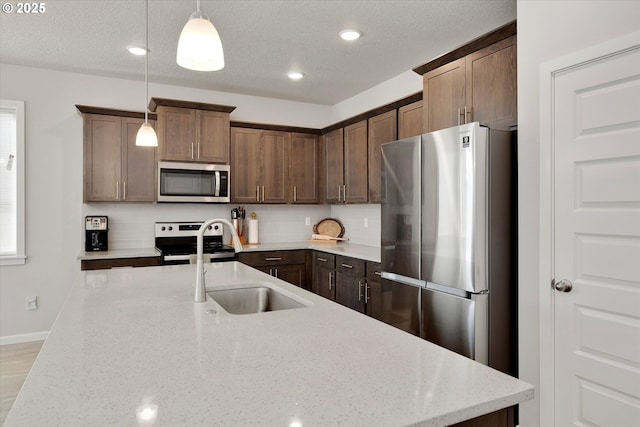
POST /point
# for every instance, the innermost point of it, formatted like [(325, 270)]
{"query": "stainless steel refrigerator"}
[(449, 240)]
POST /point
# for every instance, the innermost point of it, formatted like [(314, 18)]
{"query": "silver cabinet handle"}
[(263, 193), (271, 272), (339, 192), (344, 193), (295, 193), (117, 190), (124, 190), (459, 114), (275, 258), (367, 297), (466, 113), (276, 275), (347, 265), (192, 151), (377, 273), (321, 259), (198, 151), (360, 296), (563, 285), (257, 193), (330, 279)]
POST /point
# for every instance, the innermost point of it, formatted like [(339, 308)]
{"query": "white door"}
[(596, 137)]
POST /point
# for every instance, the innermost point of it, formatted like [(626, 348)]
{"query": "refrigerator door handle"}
[(450, 290), (404, 279)]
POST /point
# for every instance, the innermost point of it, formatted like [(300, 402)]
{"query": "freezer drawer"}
[(459, 324), (398, 305)]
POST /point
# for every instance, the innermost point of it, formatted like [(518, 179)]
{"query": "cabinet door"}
[(274, 155), (382, 128), (350, 291), (303, 168), (292, 273), (444, 96), (373, 292), (324, 283), (212, 137), (355, 163), (333, 166), (245, 165), (138, 164), (492, 85), (176, 134), (102, 158), (410, 120)]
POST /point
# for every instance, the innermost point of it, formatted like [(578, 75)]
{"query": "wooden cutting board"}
[(329, 227)]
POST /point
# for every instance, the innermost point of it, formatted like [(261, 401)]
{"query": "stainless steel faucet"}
[(200, 288)]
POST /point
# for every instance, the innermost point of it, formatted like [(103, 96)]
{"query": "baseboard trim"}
[(18, 339)]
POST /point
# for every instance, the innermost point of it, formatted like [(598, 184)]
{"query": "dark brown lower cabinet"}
[(290, 266), (373, 290), (350, 282), (324, 275), (105, 264)]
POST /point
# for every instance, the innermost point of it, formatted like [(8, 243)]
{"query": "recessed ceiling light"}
[(138, 51), (350, 34), (295, 75)]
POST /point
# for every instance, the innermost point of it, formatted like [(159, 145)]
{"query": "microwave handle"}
[(217, 190)]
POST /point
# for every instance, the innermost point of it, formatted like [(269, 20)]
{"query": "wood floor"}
[(15, 362)]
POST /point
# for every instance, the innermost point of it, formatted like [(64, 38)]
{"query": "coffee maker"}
[(96, 231)]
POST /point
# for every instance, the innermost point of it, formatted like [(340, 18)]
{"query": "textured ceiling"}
[(262, 41)]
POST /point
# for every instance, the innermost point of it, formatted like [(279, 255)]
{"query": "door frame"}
[(548, 72)]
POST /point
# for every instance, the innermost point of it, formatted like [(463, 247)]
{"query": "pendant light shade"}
[(146, 136), (199, 46)]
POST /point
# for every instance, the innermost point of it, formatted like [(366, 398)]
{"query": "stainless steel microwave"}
[(193, 182)]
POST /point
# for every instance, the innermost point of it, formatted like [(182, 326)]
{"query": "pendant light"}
[(199, 46), (146, 136)]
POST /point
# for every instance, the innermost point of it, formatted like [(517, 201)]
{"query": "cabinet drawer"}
[(351, 266), (374, 271), (272, 258), (324, 260)]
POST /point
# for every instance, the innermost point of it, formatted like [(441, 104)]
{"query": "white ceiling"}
[(262, 41)]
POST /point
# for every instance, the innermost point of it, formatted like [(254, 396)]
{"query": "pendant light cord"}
[(146, 62)]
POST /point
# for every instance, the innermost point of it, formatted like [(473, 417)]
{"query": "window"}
[(11, 182)]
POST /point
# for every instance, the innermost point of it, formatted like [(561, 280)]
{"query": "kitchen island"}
[(130, 347)]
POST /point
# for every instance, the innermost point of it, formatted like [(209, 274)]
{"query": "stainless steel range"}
[(177, 242)]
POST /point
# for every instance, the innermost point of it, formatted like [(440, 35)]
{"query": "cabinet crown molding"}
[(86, 109), (474, 45), (164, 102)]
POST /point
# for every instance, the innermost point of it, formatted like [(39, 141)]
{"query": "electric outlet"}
[(31, 303), (366, 222), (307, 220)]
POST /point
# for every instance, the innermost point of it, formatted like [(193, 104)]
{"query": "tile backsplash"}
[(132, 225)]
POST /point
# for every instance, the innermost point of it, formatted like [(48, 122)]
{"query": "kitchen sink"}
[(255, 299)]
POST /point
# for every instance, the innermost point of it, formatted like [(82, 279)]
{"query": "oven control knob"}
[(217, 227), (164, 228), (170, 228), (211, 226)]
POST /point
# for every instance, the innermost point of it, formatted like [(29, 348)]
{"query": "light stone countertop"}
[(119, 253), (368, 253), (130, 348)]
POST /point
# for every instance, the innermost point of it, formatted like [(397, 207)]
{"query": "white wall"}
[(54, 208), (398, 87), (548, 30)]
